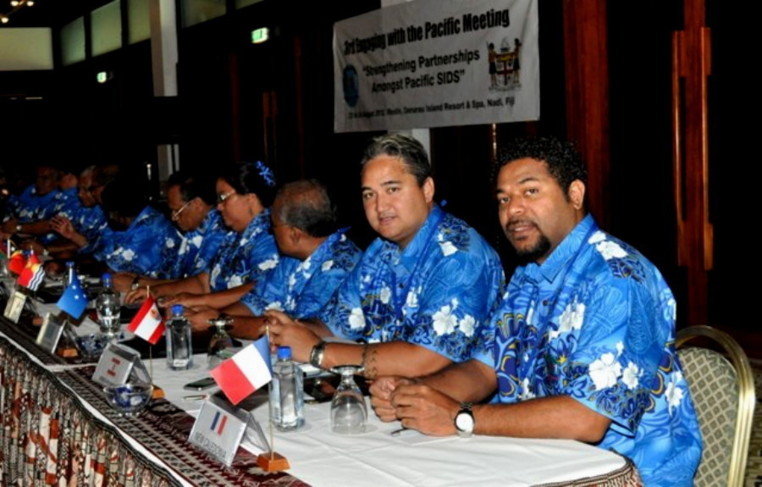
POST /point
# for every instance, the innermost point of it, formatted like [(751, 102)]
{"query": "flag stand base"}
[(272, 462), (67, 352)]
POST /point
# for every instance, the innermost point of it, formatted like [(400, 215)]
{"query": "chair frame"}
[(746, 395)]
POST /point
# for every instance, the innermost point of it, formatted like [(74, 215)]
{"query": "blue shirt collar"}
[(423, 237), (258, 224), (566, 250)]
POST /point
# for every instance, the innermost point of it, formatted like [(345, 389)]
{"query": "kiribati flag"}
[(33, 274)]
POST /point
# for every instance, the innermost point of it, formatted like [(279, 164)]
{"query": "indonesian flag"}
[(32, 275), (148, 324), (244, 372), (17, 262)]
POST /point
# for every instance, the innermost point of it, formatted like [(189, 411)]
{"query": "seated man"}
[(423, 289), (584, 336), (30, 212), (137, 233), (318, 259), (247, 254), (84, 224), (192, 200)]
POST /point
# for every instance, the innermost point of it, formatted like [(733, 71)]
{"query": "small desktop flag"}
[(219, 422), (148, 324), (17, 262), (73, 300), (244, 372), (32, 275)]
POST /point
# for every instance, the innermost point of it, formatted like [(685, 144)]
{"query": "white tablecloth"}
[(322, 458)]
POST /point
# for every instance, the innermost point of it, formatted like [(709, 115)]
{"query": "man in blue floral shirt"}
[(421, 293), (584, 337), (30, 212), (83, 225), (136, 233), (191, 200), (316, 258)]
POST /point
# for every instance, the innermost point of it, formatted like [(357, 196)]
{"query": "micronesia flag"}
[(73, 300), (244, 372)]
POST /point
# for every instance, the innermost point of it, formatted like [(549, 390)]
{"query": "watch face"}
[(464, 421)]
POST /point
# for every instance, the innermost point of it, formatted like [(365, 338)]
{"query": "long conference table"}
[(56, 428)]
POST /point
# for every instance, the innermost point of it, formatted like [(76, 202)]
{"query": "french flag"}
[(148, 324), (245, 372), (218, 423)]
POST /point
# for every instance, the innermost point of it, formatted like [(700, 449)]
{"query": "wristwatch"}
[(464, 420), (316, 354)]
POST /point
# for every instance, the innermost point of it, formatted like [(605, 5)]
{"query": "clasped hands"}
[(417, 406)]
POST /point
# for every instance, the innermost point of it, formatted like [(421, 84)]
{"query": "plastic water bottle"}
[(179, 346), (286, 392), (108, 306), (69, 277)]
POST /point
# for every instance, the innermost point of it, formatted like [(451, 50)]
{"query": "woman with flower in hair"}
[(244, 194)]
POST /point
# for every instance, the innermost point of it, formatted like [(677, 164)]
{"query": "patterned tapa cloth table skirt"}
[(48, 437)]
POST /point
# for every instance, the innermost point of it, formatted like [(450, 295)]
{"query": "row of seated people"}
[(579, 344)]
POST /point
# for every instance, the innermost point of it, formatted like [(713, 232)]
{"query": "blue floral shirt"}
[(436, 293), (595, 322), (302, 288), (244, 257), (200, 246), (66, 203), (29, 208), (91, 223), (139, 249)]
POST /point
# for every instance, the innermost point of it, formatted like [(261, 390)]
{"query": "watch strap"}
[(317, 353)]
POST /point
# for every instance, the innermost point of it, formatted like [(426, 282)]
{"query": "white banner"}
[(432, 63)]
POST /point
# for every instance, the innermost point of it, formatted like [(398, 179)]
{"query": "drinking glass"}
[(349, 413), (221, 345)]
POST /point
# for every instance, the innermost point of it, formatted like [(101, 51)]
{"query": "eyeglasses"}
[(221, 198), (176, 213)]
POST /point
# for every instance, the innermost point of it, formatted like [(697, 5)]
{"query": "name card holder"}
[(14, 306), (116, 365), (218, 430), (50, 333)]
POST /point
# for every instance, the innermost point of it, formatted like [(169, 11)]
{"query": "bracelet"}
[(317, 353)]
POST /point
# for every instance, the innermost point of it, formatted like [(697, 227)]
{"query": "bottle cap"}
[(70, 263), (106, 277), (177, 309), (284, 353)]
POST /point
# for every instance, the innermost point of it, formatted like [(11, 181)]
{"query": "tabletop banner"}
[(432, 63)]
